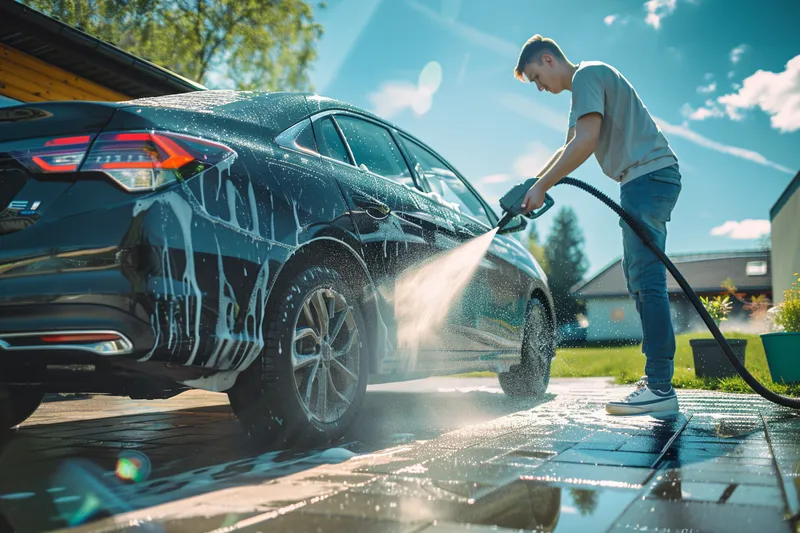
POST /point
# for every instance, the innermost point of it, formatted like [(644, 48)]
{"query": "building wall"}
[(785, 246)]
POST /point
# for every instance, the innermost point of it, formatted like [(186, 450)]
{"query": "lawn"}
[(626, 365)]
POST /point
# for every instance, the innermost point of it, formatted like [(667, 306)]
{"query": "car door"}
[(395, 232), (489, 317)]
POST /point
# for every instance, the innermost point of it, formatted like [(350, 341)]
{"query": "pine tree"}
[(567, 263), (536, 249)]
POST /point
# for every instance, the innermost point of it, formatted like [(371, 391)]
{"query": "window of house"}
[(756, 268)]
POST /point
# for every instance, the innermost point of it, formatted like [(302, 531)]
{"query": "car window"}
[(331, 144), (444, 184), (374, 148), (306, 139)]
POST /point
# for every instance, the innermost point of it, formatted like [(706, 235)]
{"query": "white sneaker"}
[(645, 401)]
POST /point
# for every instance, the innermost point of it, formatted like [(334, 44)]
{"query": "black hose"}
[(647, 239)]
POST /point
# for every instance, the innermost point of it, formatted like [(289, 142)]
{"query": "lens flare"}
[(133, 466)]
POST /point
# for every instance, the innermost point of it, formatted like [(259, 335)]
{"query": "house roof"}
[(790, 190), (75, 51), (704, 272)]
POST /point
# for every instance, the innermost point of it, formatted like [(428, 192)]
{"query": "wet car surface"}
[(454, 454), (252, 243)]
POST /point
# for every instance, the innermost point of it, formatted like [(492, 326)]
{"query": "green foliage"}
[(719, 307), (566, 263), (536, 249), (266, 45), (626, 365), (787, 314)]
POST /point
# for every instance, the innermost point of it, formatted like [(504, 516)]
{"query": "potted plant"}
[(782, 346), (709, 359)]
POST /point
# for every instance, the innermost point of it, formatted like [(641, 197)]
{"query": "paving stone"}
[(723, 473), (649, 515), (590, 475), (301, 522), (755, 495), (598, 457), (453, 527), (390, 508), (414, 487)]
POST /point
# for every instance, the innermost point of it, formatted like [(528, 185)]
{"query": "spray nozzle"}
[(511, 203)]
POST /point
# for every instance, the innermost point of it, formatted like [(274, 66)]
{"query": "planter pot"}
[(783, 356), (710, 361)]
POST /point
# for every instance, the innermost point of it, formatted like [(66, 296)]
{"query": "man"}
[(607, 118)]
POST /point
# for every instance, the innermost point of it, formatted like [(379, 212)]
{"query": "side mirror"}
[(518, 223)]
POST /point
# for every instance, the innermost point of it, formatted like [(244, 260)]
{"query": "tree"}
[(566, 261), (265, 44), (536, 249)]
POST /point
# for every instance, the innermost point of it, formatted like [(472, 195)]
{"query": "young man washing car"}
[(607, 118)]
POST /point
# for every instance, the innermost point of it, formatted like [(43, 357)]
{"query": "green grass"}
[(626, 365)]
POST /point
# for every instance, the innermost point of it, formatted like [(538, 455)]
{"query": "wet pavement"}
[(435, 455)]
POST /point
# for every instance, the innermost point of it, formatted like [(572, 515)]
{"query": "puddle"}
[(552, 508)]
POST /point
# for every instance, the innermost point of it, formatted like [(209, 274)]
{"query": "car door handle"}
[(374, 208)]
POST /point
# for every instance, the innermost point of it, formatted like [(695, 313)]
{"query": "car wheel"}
[(529, 379), (308, 383), (16, 406)]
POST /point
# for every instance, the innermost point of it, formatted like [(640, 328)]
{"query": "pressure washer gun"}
[(511, 203)]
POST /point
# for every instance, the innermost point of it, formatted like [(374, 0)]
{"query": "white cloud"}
[(531, 162), (710, 88), (395, 96), (702, 113), (495, 178), (609, 20), (526, 166), (708, 76), (657, 10), (731, 74), (742, 153), (777, 94), (746, 229), (736, 53), (529, 108)]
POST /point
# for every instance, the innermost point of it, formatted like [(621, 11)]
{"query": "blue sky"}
[(717, 74)]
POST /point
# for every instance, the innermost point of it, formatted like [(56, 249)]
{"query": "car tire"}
[(16, 406), (276, 398), (530, 378)]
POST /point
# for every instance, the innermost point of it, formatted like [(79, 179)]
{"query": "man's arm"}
[(557, 155), (575, 153)]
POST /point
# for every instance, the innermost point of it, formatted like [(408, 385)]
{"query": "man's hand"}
[(534, 198)]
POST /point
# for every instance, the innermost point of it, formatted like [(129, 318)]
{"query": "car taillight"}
[(146, 160), (136, 160), (50, 154)]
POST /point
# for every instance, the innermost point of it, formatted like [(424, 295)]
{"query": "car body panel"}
[(187, 270)]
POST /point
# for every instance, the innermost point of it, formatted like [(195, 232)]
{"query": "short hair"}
[(533, 50)]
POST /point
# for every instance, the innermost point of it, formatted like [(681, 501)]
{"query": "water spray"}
[(512, 206)]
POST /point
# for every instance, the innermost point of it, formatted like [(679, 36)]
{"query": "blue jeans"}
[(651, 198)]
